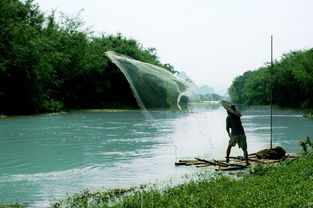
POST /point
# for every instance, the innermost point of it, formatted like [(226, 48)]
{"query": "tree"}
[(48, 65), (292, 82)]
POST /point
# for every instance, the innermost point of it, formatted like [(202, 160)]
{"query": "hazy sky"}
[(213, 41)]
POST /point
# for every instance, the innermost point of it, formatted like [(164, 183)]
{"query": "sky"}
[(212, 41)]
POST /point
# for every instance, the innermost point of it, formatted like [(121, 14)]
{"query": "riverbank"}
[(11, 206), (2, 116), (308, 113), (288, 184)]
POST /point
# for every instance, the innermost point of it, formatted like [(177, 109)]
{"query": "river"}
[(45, 157)]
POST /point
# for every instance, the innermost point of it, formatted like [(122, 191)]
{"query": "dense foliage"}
[(292, 82), (48, 65), (287, 185)]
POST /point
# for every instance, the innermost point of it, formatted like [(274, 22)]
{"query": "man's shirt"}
[(234, 123)]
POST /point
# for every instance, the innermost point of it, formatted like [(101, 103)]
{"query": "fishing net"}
[(153, 86)]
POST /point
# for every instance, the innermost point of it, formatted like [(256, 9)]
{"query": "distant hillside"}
[(202, 90), (205, 89), (205, 92)]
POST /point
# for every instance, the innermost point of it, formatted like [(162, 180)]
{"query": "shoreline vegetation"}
[(308, 114), (50, 65), (112, 110), (286, 184), (304, 113), (292, 83)]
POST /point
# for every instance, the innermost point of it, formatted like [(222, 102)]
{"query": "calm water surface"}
[(44, 158)]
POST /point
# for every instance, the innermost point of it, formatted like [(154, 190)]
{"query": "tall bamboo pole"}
[(271, 95)]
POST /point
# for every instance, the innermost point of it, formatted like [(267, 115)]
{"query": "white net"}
[(153, 86)]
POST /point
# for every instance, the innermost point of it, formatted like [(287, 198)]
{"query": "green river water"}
[(45, 157)]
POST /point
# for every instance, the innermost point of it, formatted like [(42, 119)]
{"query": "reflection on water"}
[(44, 157)]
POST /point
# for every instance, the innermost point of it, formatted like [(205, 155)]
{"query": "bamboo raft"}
[(235, 163)]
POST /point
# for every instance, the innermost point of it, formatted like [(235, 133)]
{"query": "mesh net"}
[(153, 86)]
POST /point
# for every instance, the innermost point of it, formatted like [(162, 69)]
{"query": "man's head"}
[(232, 107)]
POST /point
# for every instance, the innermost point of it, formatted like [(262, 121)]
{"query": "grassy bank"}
[(308, 113), (11, 206), (289, 184)]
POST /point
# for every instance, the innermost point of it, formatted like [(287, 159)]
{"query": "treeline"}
[(48, 65), (292, 82), (211, 97)]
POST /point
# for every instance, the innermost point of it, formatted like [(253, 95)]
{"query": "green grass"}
[(308, 114), (289, 184), (11, 206)]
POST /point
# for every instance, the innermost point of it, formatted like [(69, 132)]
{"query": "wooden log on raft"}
[(203, 165), (249, 159), (238, 161), (206, 161), (180, 163), (269, 161), (224, 164), (218, 163), (189, 162)]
